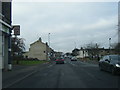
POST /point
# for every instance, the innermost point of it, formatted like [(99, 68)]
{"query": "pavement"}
[(18, 73), (90, 61)]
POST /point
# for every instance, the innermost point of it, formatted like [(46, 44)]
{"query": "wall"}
[(5, 25), (0, 48), (0, 36), (37, 50), (5, 51), (6, 11), (82, 54)]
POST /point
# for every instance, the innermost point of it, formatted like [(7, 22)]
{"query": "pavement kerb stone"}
[(90, 61)]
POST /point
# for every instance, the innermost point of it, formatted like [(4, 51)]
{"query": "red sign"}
[(16, 29)]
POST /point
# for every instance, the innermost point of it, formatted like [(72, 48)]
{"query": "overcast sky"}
[(70, 24)]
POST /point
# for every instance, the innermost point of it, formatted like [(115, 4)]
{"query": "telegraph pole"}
[(118, 49), (49, 39), (75, 44), (49, 46), (118, 22), (109, 45)]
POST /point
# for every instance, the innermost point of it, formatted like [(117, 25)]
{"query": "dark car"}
[(110, 63), (59, 60), (73, 59)]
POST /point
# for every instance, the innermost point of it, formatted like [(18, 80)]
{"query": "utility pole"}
[(118, 22), (109, 45), (49, 46), (49, 39), (75, 44)]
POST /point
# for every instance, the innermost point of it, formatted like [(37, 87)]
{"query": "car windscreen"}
[(116, 57)]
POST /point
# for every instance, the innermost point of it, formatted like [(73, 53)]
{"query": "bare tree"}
[(18, 46), (93, 50), (75, 52)]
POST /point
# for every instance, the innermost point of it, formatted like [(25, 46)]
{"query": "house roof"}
[(37, 42), (97, 49), (40, 40)]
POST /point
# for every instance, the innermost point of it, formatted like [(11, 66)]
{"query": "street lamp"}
[(49, 39), (49, 45), (109, 44)]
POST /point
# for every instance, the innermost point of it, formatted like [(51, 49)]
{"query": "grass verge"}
[(25, 62)]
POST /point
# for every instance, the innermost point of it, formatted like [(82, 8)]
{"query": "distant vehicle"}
[(110, 63), (59, 60), (73, 59)]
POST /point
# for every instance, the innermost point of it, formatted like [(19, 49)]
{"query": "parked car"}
[(59, 60), (73, 59), (110, 63)]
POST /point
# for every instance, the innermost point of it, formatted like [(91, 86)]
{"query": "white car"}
[(73, 59)]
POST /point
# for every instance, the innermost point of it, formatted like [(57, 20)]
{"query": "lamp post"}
[(75, 44), (49, 39), (49, 46), (109, 45)]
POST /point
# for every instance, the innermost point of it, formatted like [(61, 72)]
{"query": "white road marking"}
[(18, 80), (50, 66)]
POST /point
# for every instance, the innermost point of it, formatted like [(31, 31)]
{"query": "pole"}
[(49, 39), (109, 45), (118, 50), (9, 52), (118, 22), (49, 46), (75, 44)]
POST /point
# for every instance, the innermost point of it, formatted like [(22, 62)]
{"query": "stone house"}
[(39, 50)]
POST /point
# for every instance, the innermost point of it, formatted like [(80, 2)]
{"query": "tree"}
[(75, 52), (18, 46), (93, 49), (68, 54)]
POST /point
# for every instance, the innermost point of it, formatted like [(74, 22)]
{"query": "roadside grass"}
[(25, 62)]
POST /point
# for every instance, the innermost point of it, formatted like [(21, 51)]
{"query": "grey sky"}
[(68, 23)]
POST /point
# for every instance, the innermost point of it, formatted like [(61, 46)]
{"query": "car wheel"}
[(113, 70)]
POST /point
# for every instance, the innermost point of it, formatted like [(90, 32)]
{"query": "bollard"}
[(9, 67)]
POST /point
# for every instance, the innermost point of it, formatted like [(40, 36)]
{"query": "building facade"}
[(39, 50), (5, 35), (94, 53), (82, 53)]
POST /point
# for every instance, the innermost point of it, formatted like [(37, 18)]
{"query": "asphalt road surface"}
[(72, 74)]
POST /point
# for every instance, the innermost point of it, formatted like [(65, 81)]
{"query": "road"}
[(72, 74)]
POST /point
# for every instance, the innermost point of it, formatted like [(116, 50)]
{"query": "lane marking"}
[(18, 80), (50, 66)]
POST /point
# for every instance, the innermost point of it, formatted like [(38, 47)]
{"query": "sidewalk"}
[(90, 61), (18, 73)]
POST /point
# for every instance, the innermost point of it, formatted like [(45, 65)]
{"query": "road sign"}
[(16, 29)]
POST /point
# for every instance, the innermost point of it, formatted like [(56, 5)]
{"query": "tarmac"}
[(18, 73)]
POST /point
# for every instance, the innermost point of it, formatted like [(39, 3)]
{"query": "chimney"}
[(40, 39)]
